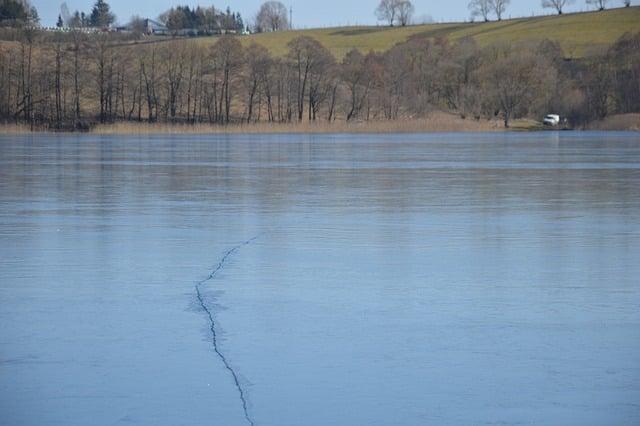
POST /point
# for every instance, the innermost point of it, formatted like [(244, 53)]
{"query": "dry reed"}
[(440, 122), (14, 129), (618, 122)]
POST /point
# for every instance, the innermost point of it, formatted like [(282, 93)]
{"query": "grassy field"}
[(578, 34)]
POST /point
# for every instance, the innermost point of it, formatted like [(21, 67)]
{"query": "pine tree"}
[(60, 22), (239, 23), (101, 15), (17, 12)]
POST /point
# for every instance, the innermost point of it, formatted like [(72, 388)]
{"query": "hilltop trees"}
[(598, 4), (392, 10), (481, 8), (387, 11), (500, 7), (484, 8), (17, 13), (176, 19), (204, 20), (137, 26), (78, 20), (558, 5), (405, 12), (101, 16), (272, 16)]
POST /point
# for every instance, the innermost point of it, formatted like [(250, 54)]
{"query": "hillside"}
[(578, 33), (113, 78)]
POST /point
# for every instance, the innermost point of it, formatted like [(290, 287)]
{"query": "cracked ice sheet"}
[(400, 279), (108, 332), (414, 346)]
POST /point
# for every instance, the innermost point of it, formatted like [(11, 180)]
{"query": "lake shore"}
[(435, 122)]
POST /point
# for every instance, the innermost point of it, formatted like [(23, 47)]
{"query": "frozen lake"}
[(450, 279)]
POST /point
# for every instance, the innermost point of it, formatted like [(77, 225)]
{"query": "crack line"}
[(212, 326)]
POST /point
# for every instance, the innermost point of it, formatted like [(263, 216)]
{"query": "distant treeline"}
[(75, 80), (204, 20)]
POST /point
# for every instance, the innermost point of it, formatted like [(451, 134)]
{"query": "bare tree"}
[(77, 46), (283, 82), (458, 78), (321, 80), (101, 55), (597, 89), (137, 26), (356, 75), (624, 55), (481, 8), (148, 70), (405, 11), (174, 19), (272, 17), (387, 10), (58, 52), (500, 7), (558, 5), (257, 66), (599, 4), (227, 56), (390, 73), (174, 58), (308, 58), (512, 77)]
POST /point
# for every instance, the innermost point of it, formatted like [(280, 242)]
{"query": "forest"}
[(75, 80)]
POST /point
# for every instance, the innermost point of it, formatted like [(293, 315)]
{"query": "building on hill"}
[(155, 28)]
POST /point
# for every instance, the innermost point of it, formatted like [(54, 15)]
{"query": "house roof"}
[(155, 25)]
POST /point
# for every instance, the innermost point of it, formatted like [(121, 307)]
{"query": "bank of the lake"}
[(434, 122)]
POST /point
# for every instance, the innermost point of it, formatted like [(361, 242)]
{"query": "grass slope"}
[(578, 33)]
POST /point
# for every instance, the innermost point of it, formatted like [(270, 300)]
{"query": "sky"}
[(306, 13)]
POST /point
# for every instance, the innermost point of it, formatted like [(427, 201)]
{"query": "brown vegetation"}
[(618, 122), (434, 122), (75, 81)]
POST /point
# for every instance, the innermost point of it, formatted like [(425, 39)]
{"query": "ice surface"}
[(396, 279)]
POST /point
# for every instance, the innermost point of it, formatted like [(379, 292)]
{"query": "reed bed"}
[(15, 129), (618, 122), (433, 123)]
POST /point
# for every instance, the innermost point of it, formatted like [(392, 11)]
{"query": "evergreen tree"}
[(101, 15), (60, 22), (15, 12), (239, 22)]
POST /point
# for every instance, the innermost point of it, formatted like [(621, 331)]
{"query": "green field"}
[(578, 34)]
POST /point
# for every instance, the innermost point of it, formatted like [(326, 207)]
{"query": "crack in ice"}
[(212, 327)]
